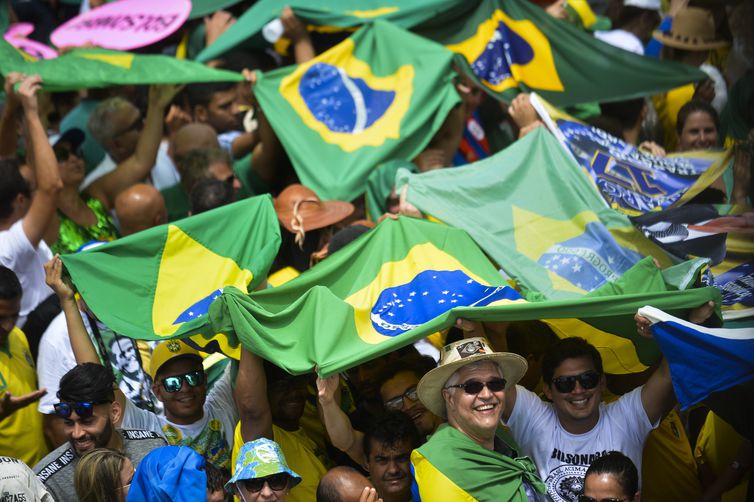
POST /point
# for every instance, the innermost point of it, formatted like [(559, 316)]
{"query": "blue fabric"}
[(703, 360), (170, 473), (654, 47)]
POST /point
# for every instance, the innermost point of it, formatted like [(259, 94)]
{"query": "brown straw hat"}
[(693, 29), (457, 355), (299, 210)]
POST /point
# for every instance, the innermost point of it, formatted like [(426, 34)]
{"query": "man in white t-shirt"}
[(565, 436)]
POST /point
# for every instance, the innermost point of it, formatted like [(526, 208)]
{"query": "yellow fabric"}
[(717, 446), (668, 466), (311, 424), (433, 484), (301, 454), (21, 434), (282, 276), (667, 106)]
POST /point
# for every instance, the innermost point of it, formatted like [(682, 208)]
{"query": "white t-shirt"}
[(562, 458), (163, 175), (17, 253), (212, 436), (622, 39)]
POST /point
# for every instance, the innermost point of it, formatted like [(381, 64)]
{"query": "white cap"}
[(643, 4)]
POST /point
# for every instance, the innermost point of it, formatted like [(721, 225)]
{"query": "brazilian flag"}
[(90, 68), (159, 283), (402, 281), (378, 95), (510, 46)]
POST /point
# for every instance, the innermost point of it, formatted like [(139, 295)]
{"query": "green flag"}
[(326, 14), (378, 95), (513, 45), (534, 211), (87, 68), (398, 283), (159, 283)]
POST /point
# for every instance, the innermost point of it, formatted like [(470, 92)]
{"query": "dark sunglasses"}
[(174, 383), (397, 402), (63, 153), (83, 409), (474, 387), (276, 482), (566, 384), (584, 498)]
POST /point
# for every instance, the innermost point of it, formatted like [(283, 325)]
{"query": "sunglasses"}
[(63, 153), (174, 383), (566, 384), (474, 387), (396, 403), (276, 483), (136, 125), (83, 409), (584, 498)]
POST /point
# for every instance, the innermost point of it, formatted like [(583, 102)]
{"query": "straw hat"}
[(457, 355), (299, 210), (693, 29)]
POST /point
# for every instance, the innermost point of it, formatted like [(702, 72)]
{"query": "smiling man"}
[(387, 446), (465, 458)]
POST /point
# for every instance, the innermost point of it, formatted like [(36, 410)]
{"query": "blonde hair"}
[(97, 475)]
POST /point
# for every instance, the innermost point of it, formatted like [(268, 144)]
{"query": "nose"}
[(266, 490), (392, 468), (486, 393), (78, 431)]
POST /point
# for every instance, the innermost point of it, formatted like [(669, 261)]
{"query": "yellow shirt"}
[(303, 458), (717, 446), (22, 433)]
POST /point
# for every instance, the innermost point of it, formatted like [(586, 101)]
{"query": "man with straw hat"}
[(466, 457)]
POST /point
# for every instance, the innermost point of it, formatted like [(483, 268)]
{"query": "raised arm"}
[(342, 434), (8, 126), (251, 398)]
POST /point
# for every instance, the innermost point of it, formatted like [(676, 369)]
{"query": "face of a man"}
[(221, 111), (287, 398), (221, 171), (125, 356), (398, 386), (698, 133), (128, 124), (90, 432), (9, 310), (187, 405), (577, 410), (476, 415), (389, 469)]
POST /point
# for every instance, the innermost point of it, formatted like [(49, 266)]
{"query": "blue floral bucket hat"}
[(259, 459)]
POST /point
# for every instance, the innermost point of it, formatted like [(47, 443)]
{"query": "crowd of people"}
[(482, 411)]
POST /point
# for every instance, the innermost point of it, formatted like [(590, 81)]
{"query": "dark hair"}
[(568, 348), (390, 429), (10, 287), (416, 364), (345, 236), (627, 113), (216, 477), (693, 106), (620, 466), (87, 382), (210, 194), (530, 338), (11, 184), (194, 165), (201, 93)]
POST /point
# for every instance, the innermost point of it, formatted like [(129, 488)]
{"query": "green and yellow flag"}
[(159, 283), (378, 95), (89, 68), (510, 46)]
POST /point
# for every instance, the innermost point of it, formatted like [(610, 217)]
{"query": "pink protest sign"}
[(124, 25), (16, 36)]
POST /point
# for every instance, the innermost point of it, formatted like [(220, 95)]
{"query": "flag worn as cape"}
[(378, 95), (89, 68), (323, 15), (158, 283), (631, 180), (702, 360), (451, 466), (174, 473), (532, 209), (402, 281), (511, 46)]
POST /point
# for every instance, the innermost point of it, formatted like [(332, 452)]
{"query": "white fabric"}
[(226, 140), (163, 175), (643, 4), (55, 359), (721, 89), (622, 39), (562, 458), (18, 254)]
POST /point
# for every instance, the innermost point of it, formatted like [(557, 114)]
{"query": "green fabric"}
[(323, 317), (201, 8), (71, 235), (251, 183), (177, 202), (380, 183), (400, 92), (78, 118), (329, 13), (484, 474), (162, 279), (737, 118), (86, 68), (560, 61)]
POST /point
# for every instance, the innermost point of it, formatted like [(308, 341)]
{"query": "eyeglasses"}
[(474, 387), (397, 402), (584, 498), (136, 125), (566, 384), (174, 383), (276, 483), (63, 153), (83, 409)]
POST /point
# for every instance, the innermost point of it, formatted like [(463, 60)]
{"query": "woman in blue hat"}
[(261, 473)]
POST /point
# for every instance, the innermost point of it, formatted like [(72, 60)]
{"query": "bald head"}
[(190, 137), (341, 484), (140, 207)]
